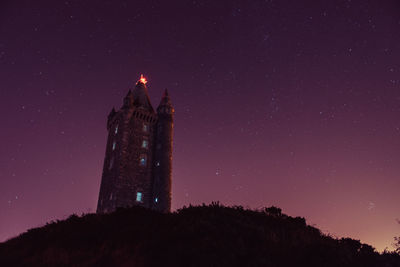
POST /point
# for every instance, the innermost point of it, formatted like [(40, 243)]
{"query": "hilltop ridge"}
[(207, 235)]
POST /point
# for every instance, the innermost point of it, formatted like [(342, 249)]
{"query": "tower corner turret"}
[(165, 107), (110, 118), (163, 155)]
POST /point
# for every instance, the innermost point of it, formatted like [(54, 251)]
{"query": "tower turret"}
[(128, 100), (163, 155), (110, 118)]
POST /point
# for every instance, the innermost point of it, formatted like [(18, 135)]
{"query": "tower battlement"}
[(138, 162)]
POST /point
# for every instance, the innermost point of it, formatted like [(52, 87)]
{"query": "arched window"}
[(143, 160), (145, 143), (139, 196), (145, 127), (111, 163), (114, 145)]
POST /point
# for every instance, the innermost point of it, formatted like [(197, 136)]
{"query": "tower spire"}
[(165, 104), (128, 99), (140, 95)]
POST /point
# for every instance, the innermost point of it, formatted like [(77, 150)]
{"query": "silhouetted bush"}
[(397, 244), (273, 211)]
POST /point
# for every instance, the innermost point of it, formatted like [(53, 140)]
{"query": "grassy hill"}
[(211, 235)]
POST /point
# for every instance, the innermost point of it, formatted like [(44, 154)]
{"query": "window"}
[(143, 160), (158, 163), (145, 127), (156, 200), (116, 130), (111, 196), (139, 196), (145, 144), (114, 145), (111, 164)]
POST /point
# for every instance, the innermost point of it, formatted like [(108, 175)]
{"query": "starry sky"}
[(287, 103)]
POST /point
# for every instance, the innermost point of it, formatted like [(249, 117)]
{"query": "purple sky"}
[(287, 103)]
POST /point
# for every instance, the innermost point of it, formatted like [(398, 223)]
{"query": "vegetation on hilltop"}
[(211, 235)]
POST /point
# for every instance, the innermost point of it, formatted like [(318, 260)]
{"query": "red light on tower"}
[(142, 79)]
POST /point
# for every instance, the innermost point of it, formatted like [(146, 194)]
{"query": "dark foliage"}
[(211, 235)]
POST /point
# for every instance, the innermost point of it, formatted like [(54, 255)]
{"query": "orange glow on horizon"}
[(142, 79)]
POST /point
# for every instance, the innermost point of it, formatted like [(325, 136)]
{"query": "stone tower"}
[(138, 161)]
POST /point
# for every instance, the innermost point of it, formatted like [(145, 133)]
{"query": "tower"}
[(138, 161)]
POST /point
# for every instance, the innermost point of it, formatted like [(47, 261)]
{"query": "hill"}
[(211, 235)]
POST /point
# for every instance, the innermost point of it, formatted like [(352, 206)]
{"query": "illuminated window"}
[(116, 130), (158, 163), (145, 144), (145, 127), (114, 145), (143, 160), (156, 200), (139, 196)]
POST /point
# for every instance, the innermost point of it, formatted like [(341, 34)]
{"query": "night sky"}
[(287, 103)]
